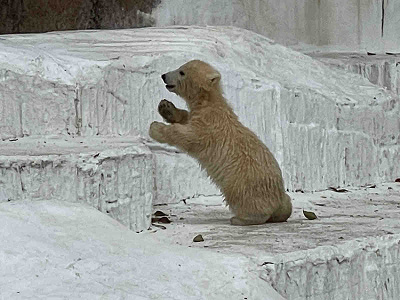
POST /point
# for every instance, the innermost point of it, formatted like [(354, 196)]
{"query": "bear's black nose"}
[(163, 77)]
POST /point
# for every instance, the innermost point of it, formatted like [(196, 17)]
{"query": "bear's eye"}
[(181, 73)]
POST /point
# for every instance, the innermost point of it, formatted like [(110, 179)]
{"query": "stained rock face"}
[(348, 24), (325, 126), (381, 69), (31, 16)]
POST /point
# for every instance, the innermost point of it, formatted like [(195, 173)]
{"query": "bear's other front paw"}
[(156, 133), (168, 111)]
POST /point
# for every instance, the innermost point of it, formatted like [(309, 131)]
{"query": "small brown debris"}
[(198, 238), (397, 180), (369, 186), (309, 215), (159, 213), (164, 220)]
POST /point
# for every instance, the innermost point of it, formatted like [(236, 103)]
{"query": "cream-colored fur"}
[(234, 158)]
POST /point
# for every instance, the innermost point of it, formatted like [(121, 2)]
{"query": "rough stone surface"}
[(361, 269), (351, 251), (326, 127), (371, 25), (114, 175)]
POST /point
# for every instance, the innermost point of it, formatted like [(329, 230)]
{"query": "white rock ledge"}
[(363, 269), (114, 175)]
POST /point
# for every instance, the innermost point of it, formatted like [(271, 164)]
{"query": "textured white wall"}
[(347, 24), (326, 127)]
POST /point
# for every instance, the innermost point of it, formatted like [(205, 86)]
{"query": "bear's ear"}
[(213, 78)]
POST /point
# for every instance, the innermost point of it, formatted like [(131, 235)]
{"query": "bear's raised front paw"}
[(168, 111), (156, 133)]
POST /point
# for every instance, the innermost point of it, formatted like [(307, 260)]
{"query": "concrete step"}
[(121, 176), (350, 252), (112, 174), (178, 176)]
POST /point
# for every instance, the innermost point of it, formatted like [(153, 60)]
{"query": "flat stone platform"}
[(351, 251)]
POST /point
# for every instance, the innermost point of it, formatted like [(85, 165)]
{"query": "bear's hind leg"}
[(283, 212), (171, 114), (249, 220)]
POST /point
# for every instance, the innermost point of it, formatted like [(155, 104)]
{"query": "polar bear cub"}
[(234, 158)]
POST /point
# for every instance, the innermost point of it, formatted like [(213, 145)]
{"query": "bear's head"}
[(193, 80)]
